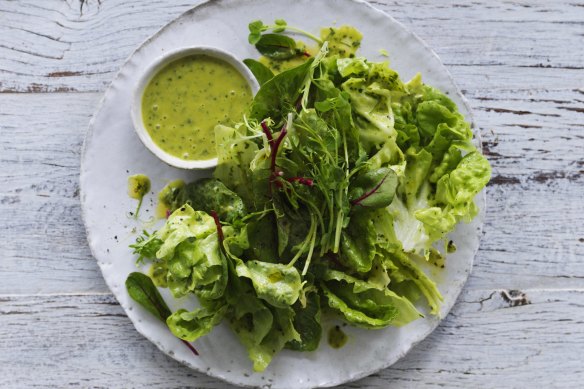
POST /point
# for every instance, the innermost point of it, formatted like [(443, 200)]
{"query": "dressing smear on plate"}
[(187, 98), (138, 187)]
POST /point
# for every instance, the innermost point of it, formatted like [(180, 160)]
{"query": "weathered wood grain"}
[(520, 64), (533, 232), (44, 247), (50, 46), (87, 341), (54, 47)]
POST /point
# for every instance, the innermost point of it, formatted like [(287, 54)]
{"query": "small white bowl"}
[(152, 70)]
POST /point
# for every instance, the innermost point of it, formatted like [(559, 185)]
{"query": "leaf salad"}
[(330, 195)]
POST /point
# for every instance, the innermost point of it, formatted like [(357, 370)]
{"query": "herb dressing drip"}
[(337, 337), (138, 187)]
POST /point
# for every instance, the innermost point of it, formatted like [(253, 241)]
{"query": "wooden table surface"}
[(520, 319)]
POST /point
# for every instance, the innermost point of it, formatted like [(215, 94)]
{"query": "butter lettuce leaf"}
[(358, 243), (235, 154), (276, 283), (458, 188), (366, 304), (190, 326), (182, 224), (262, 329)]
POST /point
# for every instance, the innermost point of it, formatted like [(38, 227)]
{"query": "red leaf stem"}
[(191, 347), (302, 180), (367, 194), (275, 147), (218, 225), (268, 133)]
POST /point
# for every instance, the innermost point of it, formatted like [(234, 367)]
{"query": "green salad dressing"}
[(342, 41), (336, 337), (185, 100), (278, 66), (158, 273), (138, 186), (166, 196)]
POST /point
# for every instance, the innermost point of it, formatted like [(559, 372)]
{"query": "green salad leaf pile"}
[(329, 195)]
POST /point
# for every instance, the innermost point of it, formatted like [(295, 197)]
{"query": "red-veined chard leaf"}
[(374, 189)]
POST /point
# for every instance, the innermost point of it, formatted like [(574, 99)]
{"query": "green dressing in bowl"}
[(187, 98)]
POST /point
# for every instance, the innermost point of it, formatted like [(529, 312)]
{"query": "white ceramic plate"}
[(112, 152)]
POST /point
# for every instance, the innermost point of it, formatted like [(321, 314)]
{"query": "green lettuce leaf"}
[(262, 238), (235, 154), (364, 304), (189, 251), (358, 243), (198, 267), (182, 224), (352, 66), (374, 117), (459, 187), (262, 330), (190, 326), (276, 283), (374, 189), (409, 271), (307, 324), (279, 94), (210, 194)]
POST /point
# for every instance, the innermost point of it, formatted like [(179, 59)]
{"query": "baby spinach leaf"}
[(307, 323), (277, 46), (291, 225), (210, 194), (263, 239), (142, 290), (260, 71), (278, 96)]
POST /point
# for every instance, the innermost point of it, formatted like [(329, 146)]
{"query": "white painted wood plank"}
[(487, 343), (533, 233), (51, 46), (43, 244), (87, 341), (520, 63)]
